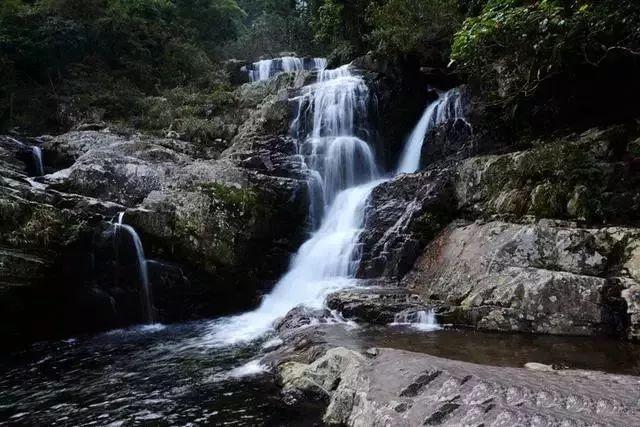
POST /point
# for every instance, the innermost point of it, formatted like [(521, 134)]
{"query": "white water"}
[(448, 107), (37, 160), (343, 172), (141, 261), (267, 68), (421, 320)]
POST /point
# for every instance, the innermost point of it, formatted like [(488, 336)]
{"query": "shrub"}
[(515, 45)]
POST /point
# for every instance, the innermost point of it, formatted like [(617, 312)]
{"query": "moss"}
[(565, 177), (548, 201), (38, 226)]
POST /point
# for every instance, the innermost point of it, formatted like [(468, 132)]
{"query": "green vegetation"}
[(158, 65), (66, 58), (513, 46), (414, 25)]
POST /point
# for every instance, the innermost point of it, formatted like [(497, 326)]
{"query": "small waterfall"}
[(36, 163), (267, 68), (422, 320), (447, 108), (145, 290), (37, 160), (331, 115)]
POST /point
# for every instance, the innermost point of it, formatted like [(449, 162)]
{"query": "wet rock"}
[(374, 305), (402, 215), (405, 389)]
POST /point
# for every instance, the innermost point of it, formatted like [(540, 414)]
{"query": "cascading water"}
[(141, 262), (331, 115), (37, 160), (267, 68), (448, 107), (422, 320)]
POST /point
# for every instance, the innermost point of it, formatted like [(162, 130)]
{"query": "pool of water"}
[(152, 375), (499, 349), (172, 375)]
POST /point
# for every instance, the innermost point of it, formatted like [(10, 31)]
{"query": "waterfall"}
[(331, 115), (448, 107), (422, 320), (37, 160), (267, 68), (145, 291), (37, 163)]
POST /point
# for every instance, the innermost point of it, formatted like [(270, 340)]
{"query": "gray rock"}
[(373, 304), (406, 389), (544, 278)]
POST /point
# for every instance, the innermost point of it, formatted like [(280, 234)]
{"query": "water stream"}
[(267, 68), (120, 229), (332, 113), (447, 108)]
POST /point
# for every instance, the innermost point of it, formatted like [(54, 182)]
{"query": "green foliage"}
[(144, 45), (272, 27), (412, 25), (515, 45)]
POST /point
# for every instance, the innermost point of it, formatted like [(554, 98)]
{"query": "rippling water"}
[(176, 375), (146, 375)]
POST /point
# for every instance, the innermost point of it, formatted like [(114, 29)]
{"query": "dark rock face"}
[(452, 140), (402, 93), (374, 305), (401, 217), (217, 228)]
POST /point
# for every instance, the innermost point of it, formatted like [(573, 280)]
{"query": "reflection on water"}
[(500, 349), (171, 375), (147, 375)]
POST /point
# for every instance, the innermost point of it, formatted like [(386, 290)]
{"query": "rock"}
[(550, 180), (374, 305), (406, 389), (544, 278), (538, 367), (301, 316), (402, 215), (327, 377)]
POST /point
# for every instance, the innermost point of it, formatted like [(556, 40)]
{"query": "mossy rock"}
[(548, 201)]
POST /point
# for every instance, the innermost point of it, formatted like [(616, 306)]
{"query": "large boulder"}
[(589, 177), (401, 217), (544, 277), (399, 388)]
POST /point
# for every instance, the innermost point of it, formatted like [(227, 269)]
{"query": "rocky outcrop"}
[(589, 177), (402, 215), (217, 228), (545, 277), (393, 387)]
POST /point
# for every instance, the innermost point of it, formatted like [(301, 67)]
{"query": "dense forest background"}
[(149, 63)]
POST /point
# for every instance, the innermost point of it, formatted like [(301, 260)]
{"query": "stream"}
[(172, 375)]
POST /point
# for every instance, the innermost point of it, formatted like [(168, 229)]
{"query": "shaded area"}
[(498, 349), (146, 375)]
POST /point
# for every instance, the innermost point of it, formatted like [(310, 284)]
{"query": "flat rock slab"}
[(398, 388)]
